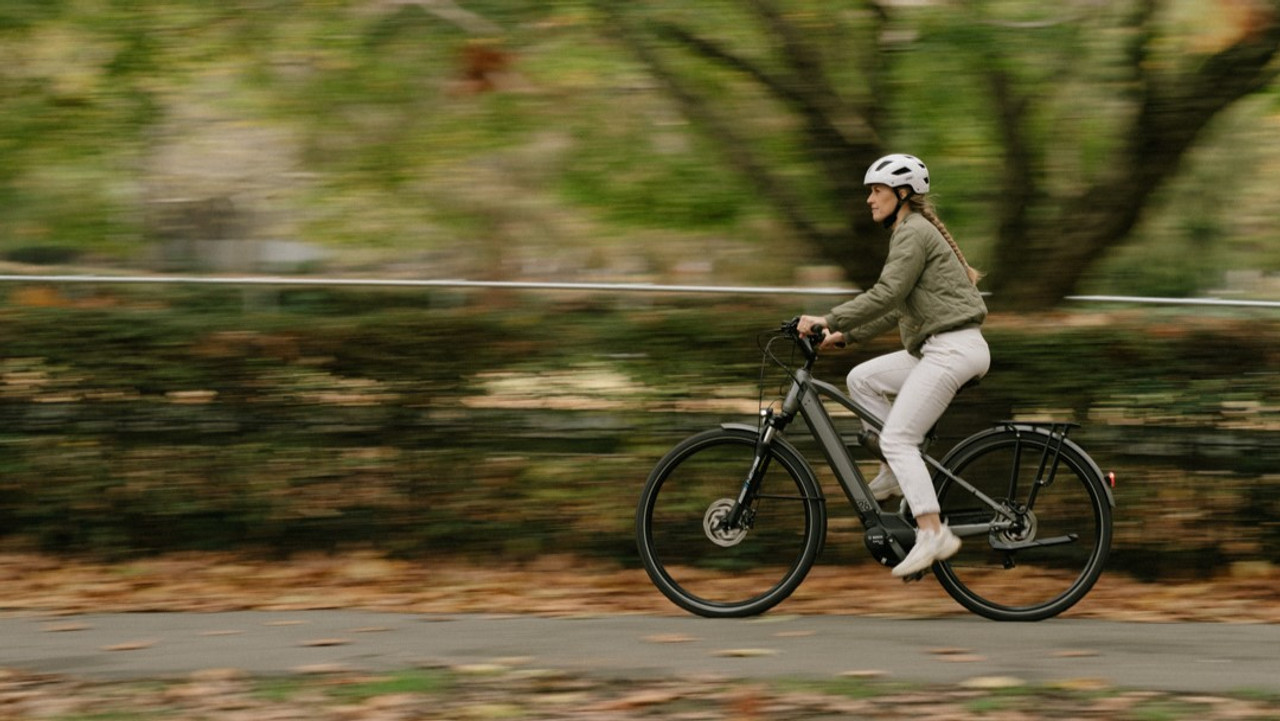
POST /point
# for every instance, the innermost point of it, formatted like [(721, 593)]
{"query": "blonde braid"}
[(923, 205)]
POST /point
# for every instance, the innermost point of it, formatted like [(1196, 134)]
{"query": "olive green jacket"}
[(923, 288)]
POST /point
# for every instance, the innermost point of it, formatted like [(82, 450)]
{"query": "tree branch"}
[(717, 53), (1176, 109), (820, 105), (790, 91), (799, 56), (1143, 23), (842, 143), (736, 150)]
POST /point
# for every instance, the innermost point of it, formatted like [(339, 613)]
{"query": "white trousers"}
[(910, 394)]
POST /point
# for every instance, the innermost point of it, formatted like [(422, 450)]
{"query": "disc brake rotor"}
[(713, 521)]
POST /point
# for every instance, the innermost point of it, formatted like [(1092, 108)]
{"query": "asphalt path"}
[(1183, 657)]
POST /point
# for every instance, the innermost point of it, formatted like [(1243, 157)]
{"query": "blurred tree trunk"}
[(1046, 242), (1037, 264)]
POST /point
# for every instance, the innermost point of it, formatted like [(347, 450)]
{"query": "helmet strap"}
[(892, 218)]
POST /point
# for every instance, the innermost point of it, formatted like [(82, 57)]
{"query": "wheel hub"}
[(1024, 531), (713, 524)]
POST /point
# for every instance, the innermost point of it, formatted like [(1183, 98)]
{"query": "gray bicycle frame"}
[(805, 397)]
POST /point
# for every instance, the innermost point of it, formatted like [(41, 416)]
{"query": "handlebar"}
[(808, 343)]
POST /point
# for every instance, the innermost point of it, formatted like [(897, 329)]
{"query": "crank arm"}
[(1038, 543), (969, 530)]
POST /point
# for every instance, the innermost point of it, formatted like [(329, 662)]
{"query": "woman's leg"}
[(950, 360), (871, 385)]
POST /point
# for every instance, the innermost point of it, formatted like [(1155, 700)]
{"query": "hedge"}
[(503, 425)]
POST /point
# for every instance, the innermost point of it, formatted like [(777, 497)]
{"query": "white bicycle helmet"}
[(898, 170)]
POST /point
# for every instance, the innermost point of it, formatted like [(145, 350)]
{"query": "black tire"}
[(740, 574), (1030, 583)]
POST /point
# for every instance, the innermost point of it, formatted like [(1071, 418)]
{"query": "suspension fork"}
[(770, 426)]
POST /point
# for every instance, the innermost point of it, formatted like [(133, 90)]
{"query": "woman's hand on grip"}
[(832, 341), (812, 324)]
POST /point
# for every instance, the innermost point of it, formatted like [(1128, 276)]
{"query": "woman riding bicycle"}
[(927, 290)]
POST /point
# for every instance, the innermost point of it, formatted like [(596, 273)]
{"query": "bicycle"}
[(736, 509)]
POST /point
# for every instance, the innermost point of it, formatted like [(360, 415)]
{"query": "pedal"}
[(913, 577)]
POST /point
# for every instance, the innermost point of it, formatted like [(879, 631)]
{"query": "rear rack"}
[(1058, 431), (1054, 426)]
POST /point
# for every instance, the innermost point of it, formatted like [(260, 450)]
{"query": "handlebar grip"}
[(815, 337), (819, 334)]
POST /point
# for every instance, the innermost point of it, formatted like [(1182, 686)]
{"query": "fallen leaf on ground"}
[(65, 627), (670, 638), (963, 658), (326, 642), (745, 652), (993, 682), (129, 646)]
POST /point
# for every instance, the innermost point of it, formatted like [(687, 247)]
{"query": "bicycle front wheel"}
[(1050, 558), (712, 571)]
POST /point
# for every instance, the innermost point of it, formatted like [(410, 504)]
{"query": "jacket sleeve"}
[(901, 270), (870, 330)]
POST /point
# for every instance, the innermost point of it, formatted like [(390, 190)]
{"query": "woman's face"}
[(883, 201)]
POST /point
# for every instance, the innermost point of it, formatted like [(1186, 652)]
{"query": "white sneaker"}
[(884, 486), (930, 546)]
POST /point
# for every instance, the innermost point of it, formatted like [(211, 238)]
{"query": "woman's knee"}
[(858, 384), (894, 441), (871, 379)]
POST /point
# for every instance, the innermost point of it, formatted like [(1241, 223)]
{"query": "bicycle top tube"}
[(829, 390)]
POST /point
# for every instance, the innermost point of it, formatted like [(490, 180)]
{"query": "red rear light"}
[(1111, 478)]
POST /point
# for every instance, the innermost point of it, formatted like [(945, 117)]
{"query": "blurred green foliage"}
[(351, 125), (147, 421)]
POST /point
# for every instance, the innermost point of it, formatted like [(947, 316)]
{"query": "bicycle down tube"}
[(806, 399)]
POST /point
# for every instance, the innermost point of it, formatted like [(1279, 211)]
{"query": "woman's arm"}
[(901, 271), (862, 333)]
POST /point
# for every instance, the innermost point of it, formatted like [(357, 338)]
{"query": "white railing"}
[(256, 280)]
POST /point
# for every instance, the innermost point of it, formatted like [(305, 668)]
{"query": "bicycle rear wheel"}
[(1053, 556), (717, 572)]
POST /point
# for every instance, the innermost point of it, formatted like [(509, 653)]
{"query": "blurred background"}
[(1082, 147)]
